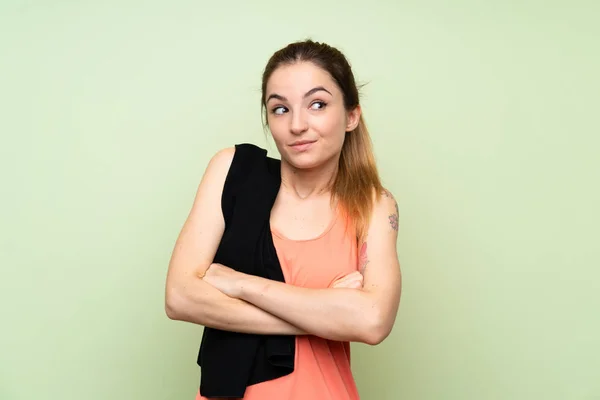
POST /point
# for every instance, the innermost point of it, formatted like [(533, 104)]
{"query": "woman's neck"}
[(305, 183)]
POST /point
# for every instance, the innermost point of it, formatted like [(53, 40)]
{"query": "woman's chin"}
[(303, 161)]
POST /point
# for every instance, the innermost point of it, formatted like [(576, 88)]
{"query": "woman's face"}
[(306, 115)]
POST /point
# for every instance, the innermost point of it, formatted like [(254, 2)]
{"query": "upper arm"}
[(203, 229), (379, 259)]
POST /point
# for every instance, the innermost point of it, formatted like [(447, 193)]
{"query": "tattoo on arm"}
[(362, 258), (393, 218), (394, 221)]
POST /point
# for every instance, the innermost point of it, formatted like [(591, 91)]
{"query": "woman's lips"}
[(302, 146)]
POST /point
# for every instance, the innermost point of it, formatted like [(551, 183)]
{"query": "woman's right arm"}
[(187, 297)]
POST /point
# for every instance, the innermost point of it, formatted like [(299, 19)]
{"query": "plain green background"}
[(484, 117)]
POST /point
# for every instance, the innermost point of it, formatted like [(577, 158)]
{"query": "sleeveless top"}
[(322, 368)]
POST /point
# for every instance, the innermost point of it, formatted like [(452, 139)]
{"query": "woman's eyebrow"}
[(316, 89), (310, 92)]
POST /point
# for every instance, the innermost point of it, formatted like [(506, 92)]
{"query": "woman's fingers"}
[(353, 280), (354, 285), (350, 276)]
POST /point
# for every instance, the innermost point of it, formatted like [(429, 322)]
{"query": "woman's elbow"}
[(171, 311), (182, 305), (375, 337), (174, 305), (378, 329)]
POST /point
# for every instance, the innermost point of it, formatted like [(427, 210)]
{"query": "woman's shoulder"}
[(238, 166), (234, 165), (239, 152), (223, 158)]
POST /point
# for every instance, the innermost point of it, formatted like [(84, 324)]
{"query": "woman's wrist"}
[(247, 285)]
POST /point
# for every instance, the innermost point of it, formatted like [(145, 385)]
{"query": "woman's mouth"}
[(302, 145)]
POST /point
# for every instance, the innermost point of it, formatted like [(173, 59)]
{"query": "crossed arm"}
[(217, 296)]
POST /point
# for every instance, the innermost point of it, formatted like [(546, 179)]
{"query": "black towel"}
[(231, 361)]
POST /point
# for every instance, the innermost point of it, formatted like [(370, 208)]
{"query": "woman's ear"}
[(353, 118)]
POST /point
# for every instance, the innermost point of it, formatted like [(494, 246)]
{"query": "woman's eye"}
[(278, 110), (318, 105)]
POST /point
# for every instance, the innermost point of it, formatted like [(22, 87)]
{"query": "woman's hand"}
[(225, 279), (353, 280)]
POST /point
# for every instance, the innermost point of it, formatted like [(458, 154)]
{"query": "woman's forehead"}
[(298, 79)]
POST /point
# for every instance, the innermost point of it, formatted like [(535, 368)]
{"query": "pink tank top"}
[(322, 367)]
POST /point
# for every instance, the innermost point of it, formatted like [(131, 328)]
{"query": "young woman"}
[(332, 223)]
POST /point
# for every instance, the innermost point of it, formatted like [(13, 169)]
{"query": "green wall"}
[(484, 117)]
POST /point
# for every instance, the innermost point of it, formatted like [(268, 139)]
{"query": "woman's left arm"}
[(361, 315)]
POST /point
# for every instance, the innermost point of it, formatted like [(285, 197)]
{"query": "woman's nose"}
[(299, 123)]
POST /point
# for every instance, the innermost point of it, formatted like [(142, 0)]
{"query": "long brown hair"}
[(357, 183)]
